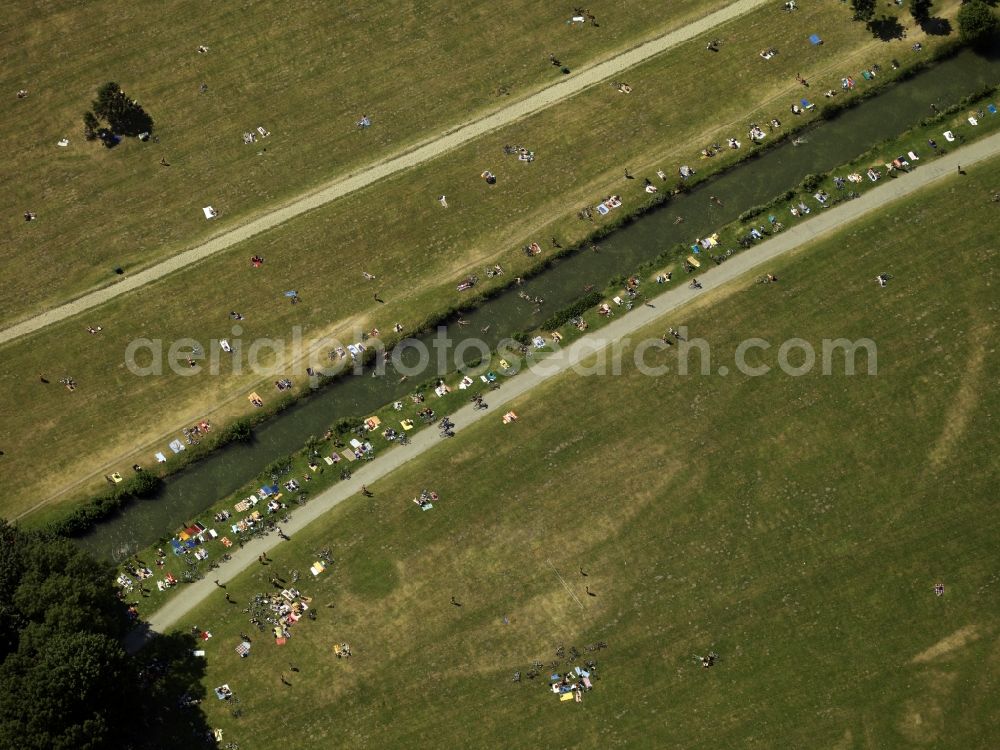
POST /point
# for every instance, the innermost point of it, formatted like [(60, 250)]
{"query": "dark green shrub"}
[(239, 431), (577, 308)]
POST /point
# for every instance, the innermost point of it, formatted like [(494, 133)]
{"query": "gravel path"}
[(622, 326), (424, 152)]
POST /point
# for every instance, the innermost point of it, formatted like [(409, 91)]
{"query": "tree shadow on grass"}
[(171, 680), (936, 27), (886, 28)]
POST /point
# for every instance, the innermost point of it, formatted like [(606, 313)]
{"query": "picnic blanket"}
[(176, 446)]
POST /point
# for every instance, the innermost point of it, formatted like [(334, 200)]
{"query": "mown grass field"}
[(397, 231), (794, 525), (306, 73)]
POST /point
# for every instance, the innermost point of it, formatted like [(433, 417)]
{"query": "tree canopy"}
[(123, 115), (66, 682), (977, 22)]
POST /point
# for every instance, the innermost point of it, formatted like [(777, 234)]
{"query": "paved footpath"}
[(423, 152), (622, 326)]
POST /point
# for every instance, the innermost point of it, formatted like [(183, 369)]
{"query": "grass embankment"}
[(780, 521), (306, 73), (416, 249)]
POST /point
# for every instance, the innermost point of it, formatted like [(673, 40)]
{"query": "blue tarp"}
[(814, 38)]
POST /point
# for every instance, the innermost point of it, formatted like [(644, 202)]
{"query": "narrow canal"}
[(826, 145)]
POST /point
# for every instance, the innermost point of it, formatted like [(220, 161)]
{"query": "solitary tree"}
[(977, 22), (123, 114), (920, 10), (864, 10)]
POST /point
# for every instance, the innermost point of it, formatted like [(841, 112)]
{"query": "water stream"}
[(827, 145)]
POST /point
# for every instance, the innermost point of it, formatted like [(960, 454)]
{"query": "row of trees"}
[(977, 22), (113, 112)]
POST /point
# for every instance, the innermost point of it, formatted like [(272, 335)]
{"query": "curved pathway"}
[(829, 221), (426, 151)]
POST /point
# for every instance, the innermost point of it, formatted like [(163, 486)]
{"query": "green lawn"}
[(397, 231), (306, 73), (794, 525)]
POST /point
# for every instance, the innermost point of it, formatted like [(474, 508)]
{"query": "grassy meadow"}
[(795, 526), (306, 72), (396, 230)]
